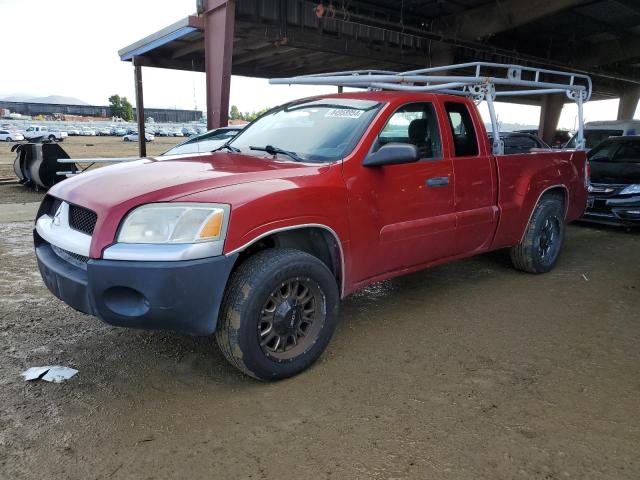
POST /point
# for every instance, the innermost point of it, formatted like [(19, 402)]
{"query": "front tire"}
[(8, 139), (540, 248), (278, 314), (52, 138)]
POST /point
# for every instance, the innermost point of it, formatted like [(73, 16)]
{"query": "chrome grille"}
[(82, 219)]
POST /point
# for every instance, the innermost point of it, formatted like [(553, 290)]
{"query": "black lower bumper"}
[(613, 210), (609, 218), (183, 296)]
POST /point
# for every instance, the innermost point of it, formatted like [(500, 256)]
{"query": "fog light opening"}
[(126, 301)]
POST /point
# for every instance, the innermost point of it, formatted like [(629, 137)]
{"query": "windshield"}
[(206, 142), (322, 130), (619, 152)]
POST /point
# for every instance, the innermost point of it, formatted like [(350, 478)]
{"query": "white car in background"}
[(176, 133), (37, 131), (133, 137), (9, 136), (87, 132), (73, 131), (103, 132)]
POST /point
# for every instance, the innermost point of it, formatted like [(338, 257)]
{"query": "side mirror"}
[(392, 154)]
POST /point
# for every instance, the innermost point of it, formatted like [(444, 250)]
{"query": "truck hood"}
[(161, 180)]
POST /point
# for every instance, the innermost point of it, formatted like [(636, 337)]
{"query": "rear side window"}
[(594, 137), (465, 140), (417, 124), (517, 144)]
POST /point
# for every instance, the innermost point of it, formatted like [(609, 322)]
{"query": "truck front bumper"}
[(183, 296)]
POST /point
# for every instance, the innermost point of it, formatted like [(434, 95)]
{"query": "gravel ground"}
[(76, 147), (88, 147), (465, 371)]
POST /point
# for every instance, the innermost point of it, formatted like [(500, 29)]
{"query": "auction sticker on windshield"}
[(344, 113)]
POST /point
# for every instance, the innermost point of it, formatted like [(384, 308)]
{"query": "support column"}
[(137, 75), (628, 103), (219, 19), (550, 115)]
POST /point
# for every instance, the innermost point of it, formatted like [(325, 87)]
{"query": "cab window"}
[(465, 140), (416, 124)]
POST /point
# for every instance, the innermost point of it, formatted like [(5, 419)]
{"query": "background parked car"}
[(560, 138), (103, 132), (176, 132), (133, 137), (519, 142), (596, 132), (39, 131), (73, 131), (120, 131), (87, 132), (188, 131), (9, 136), (614, 192), (205, 142)]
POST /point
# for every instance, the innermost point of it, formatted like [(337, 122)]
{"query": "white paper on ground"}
[(51, 373)]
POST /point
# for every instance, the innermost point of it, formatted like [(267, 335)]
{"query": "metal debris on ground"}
[(51, 373)]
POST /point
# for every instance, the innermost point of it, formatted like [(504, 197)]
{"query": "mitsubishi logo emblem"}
[(56, 217)]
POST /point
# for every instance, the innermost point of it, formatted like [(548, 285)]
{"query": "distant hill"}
[(50, 99)]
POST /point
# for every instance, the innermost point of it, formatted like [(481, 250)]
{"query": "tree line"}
[(236, 114)]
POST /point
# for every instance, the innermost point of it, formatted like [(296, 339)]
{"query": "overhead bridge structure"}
[(286, 38)]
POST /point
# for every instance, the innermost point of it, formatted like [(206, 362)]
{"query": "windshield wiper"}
[(228, 147), (271, 150)]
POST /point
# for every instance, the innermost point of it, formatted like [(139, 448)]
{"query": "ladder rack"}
[(477, 80)]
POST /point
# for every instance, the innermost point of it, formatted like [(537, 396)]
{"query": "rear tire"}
[(540, 248), (8, 139), (278, 314), (52, 138)]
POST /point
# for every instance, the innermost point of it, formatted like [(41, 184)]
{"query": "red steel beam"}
[(137, 74), (219, 19)]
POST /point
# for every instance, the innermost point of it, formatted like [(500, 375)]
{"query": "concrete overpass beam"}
[(628, 103), (549, 116), (499, 16)]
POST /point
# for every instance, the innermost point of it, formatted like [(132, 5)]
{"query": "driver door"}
[(412, 205)]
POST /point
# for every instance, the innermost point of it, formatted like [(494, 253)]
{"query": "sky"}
[(69, 47)]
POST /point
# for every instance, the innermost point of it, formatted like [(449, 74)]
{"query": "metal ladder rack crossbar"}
[(487, 81)]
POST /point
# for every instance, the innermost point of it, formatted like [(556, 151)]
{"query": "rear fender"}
[(520, 190)]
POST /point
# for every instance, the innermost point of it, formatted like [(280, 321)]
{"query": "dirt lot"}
[(466, 371), (87, 147), (76, 147)]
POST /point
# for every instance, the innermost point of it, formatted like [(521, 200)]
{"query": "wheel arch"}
[(315, 239), (557, 190)]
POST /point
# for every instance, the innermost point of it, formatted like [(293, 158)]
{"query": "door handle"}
[(438, 181)]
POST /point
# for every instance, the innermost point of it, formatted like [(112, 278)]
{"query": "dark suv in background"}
[(614, 193)]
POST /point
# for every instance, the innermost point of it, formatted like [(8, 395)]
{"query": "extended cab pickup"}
[(259, 240), (36, 131)]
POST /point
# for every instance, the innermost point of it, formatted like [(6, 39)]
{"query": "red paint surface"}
[(388, 221)]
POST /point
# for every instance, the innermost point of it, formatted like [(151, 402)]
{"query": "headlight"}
[(175, 223), (635, 188)]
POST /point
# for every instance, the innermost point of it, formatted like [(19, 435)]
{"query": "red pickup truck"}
[(260, 240)]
